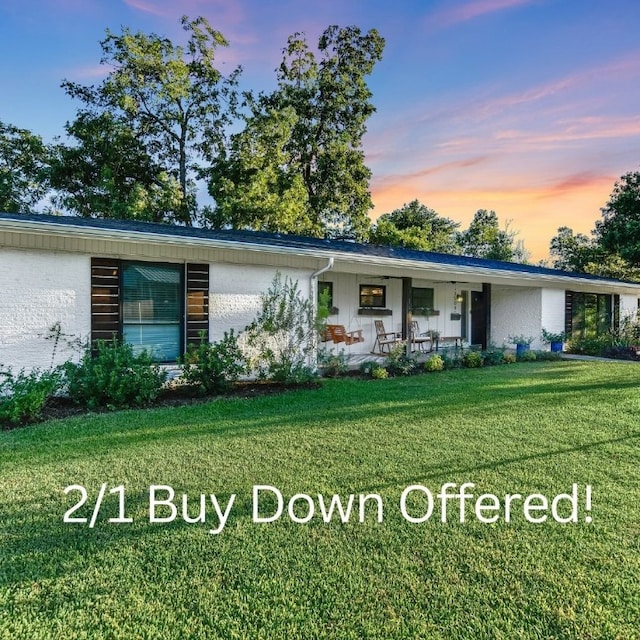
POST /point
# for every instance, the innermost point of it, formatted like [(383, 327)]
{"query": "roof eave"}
[(120, 235)]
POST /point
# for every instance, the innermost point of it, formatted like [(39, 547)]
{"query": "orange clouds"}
[(535, 210)]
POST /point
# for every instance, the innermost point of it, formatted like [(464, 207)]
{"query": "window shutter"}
[(105, 299), (197, 303), (568, 313), (616, 311)]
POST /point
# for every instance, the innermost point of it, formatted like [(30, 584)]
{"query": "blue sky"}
[(527, 107)]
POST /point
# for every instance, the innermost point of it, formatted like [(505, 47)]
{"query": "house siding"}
[(628, 305), (234, 297), (40, 289), (516, 311), (553, 310)]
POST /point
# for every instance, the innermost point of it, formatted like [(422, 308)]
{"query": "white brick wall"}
[(37, 290), (235, 294), (516, 311), (553, 304), (628, 305)]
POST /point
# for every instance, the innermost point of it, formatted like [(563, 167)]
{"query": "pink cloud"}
[(462, 13), (92, 72), (423, 173), (225, 12), (580, 129)]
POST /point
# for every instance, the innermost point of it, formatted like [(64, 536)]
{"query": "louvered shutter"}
[(197, 303), (105, 299)]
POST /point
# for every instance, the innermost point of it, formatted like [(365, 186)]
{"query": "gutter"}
[(313, 282), (313, 297)]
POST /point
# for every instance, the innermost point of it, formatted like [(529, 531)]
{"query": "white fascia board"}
[(448, 270)]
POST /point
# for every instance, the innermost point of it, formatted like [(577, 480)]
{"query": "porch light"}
[(457, 297)]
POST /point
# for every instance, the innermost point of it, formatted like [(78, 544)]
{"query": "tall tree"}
[(172, 99), (582, 254), (571, 252), (253, 184), (23, 169), (619, 230), (485, 239), (415, 226), (320, 110), (108, 172)]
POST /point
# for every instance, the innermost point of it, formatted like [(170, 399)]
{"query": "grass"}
[(528, 428)]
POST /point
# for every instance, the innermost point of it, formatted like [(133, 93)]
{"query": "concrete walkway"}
[(575, 356)]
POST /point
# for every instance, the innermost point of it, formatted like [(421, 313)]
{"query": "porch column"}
[(407, 317), (486, 292)]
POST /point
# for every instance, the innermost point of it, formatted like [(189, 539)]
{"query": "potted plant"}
[(554, 340), (522, 343)]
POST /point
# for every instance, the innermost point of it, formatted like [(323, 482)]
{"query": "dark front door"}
[(478, 319)]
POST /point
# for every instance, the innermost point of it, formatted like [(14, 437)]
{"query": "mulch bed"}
[(178, 396)]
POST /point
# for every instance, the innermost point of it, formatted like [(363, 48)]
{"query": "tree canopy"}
[(168, 101), (23, 169), (416, 226), (303, 143), (485, 239), (619, 230)]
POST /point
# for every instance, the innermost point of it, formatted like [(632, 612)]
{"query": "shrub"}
[(379, 372), (528, 356), (368, 366), (472, 360), (212, 367), (509, 358), (548, 336), (112, 376), (547, 356), (451, 361), (398, 363), (23, 396), (620, 353), (493, 357), (434, 363), (332, 364), (520, 339), (590, 346), (284, 334)]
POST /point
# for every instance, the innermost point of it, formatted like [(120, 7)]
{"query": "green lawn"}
[(530, 428)]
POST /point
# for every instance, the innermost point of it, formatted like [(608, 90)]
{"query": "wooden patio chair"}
[(384, 338), (338, 333), (420, 340)]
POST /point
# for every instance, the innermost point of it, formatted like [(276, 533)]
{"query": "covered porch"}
[(370, 313)]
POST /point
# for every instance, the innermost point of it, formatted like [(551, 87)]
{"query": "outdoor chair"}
[(338, 333), (384, 338), (420, 340)]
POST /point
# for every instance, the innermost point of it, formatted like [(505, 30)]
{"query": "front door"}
[(478, 319)]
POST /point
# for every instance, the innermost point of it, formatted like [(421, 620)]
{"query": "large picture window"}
[(152, 308)]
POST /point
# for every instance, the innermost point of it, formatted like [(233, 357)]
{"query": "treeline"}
[(166, 124)]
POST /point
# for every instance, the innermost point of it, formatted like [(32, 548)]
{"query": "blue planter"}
[(556, 347), (520, 349)]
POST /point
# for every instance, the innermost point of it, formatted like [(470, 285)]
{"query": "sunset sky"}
[(527, 107)]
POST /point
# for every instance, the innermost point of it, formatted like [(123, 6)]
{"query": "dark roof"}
[(301, 242)]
